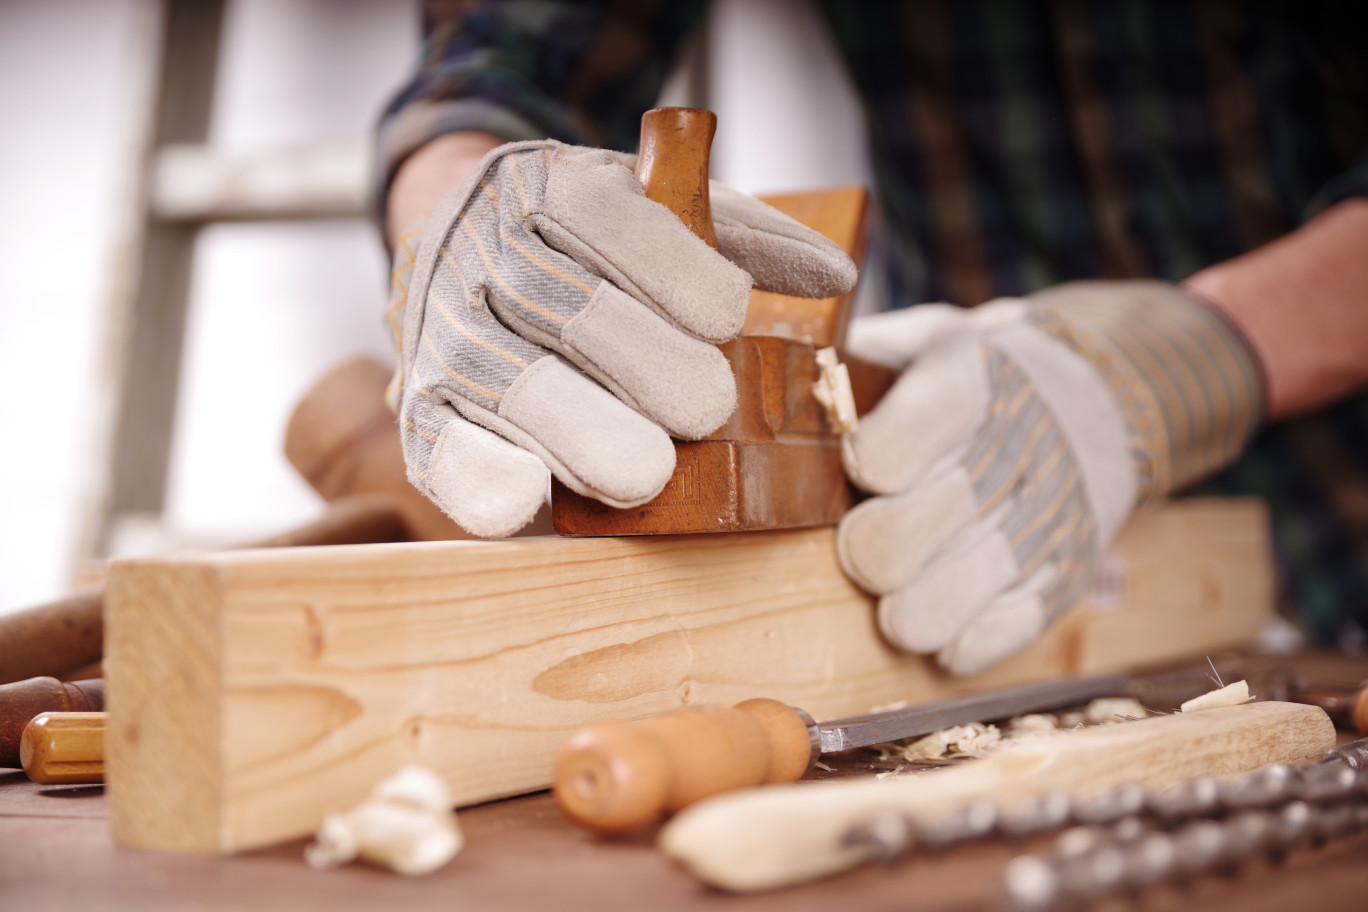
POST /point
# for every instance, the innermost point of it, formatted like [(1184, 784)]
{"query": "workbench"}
[(56, 853)]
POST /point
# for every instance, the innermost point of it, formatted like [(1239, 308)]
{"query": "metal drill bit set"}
[(1128, 838)]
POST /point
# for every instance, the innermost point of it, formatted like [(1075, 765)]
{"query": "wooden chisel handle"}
[(61, 748), (614, 778), (21, 701)]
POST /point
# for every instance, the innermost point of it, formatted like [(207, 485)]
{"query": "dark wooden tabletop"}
[(56, 853)]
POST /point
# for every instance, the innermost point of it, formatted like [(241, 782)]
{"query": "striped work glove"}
[(548, 318), (1016, 443)]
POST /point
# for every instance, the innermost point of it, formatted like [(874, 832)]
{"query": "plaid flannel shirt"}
[(1016, 144)]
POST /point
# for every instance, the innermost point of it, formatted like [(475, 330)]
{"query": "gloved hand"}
[(1016, 442), (547, 316)]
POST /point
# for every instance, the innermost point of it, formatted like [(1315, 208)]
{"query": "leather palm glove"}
[(1016, 442), (549, 319)]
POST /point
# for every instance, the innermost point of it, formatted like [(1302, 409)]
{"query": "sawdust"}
[(1110, 710), (958, 740), (978, 738), (1032, 725)]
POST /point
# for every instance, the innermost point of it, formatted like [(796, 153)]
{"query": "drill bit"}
[(1128, 838), (1195, 827)]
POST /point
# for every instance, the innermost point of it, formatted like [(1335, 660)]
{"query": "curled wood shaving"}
[(834, 392), (957, 740), (1230, 695), (406, 825)]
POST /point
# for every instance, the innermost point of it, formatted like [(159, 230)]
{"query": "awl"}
[(614, 778)]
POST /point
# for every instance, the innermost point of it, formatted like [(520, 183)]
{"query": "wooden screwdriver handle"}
[(614, 778), (61, 748), (672, 165)]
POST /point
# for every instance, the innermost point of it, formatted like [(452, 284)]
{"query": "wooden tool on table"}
[(614, 778), (776, 464), (766, 838), (64, 748), (21, 701)]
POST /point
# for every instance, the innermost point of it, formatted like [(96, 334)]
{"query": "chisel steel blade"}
[(897, 724)]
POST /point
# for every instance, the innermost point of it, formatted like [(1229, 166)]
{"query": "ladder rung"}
[(195, 183)]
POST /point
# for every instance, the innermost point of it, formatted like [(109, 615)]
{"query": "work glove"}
[(1015, 443), (549, 319)]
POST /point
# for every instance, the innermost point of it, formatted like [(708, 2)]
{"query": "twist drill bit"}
[(1129, 838)]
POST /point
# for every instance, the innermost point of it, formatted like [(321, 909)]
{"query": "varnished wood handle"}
[(672, 164), (21, 701), (61, 748), (614, 778)]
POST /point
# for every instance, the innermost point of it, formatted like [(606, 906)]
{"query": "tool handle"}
[(1347, 709), (60, 748), (53, 638), (672, 165), (614, 778), (22, 700)]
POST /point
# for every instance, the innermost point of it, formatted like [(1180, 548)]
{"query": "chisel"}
[(614, 778)]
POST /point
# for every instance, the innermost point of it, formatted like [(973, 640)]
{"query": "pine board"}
[(251, 692)]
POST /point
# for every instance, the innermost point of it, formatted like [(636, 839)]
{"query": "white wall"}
[(60, 67), (271, 307)]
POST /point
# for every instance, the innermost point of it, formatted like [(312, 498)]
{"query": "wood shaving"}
[(1110, 710), (833, 391), (1070, 720), (958, 740), (1230, 695), (1032, 725), (977, 738), (406, 825)]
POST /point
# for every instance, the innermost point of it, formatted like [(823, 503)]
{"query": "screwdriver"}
[(612, 778)]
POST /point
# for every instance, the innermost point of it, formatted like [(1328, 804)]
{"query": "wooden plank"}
[(251, 692)]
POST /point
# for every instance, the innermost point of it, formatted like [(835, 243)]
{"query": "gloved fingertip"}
[(684, 384), (488, 486), (595, 443), (1006, 627)]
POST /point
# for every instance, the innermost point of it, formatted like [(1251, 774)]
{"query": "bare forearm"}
[(1303, 303), (430, 174)]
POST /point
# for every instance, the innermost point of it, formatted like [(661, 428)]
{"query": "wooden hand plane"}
[(776, 463)]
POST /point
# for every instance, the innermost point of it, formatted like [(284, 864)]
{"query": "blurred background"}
[(122, 148)]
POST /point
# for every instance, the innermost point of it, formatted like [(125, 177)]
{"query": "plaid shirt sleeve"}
[(580, 72)]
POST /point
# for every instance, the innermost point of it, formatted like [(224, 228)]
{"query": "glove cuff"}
[(1189, 386)]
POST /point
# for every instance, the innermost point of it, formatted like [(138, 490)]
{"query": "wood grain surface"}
[(252, 692)]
